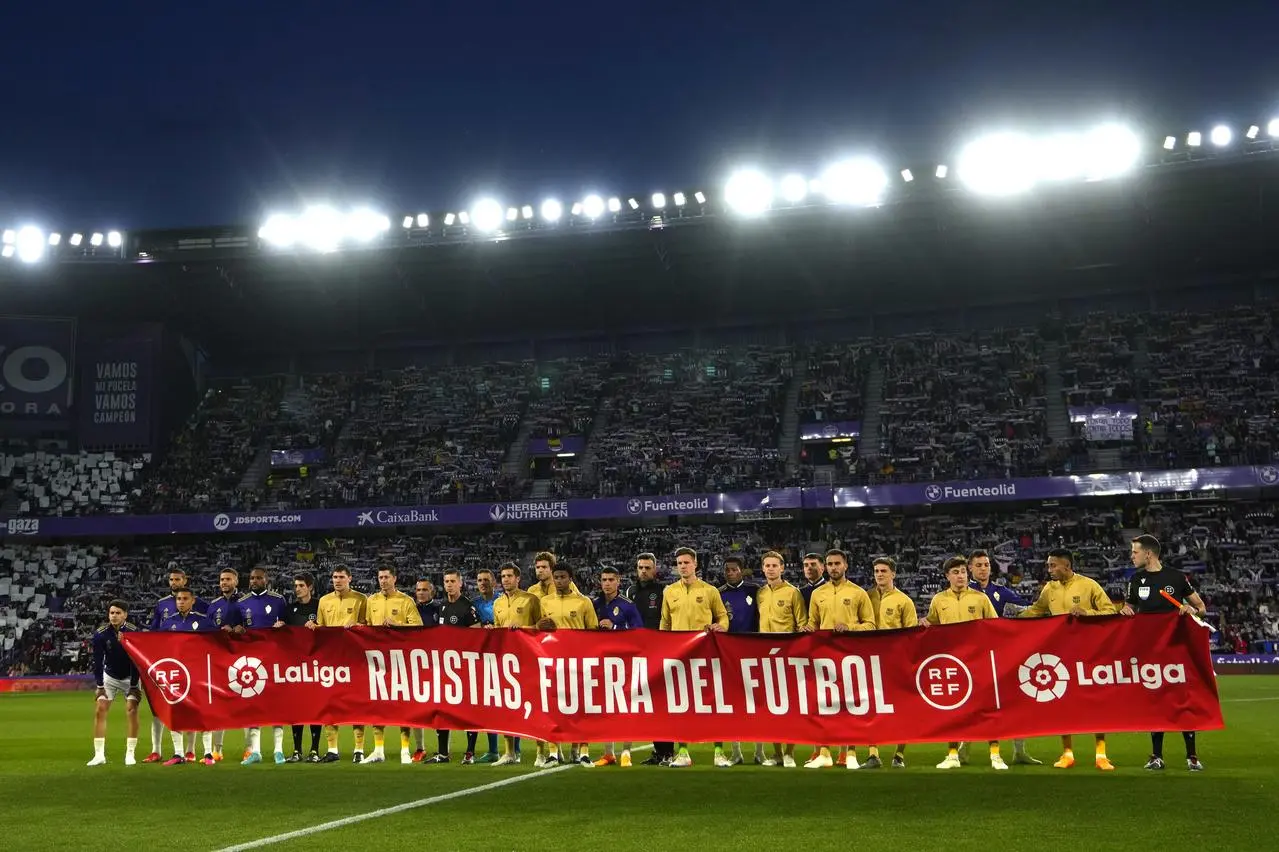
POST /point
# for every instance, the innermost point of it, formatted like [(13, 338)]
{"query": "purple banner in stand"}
[(297, 458), (624, 508), (554, 446), (116, 394), (829, 430), (37, 370)]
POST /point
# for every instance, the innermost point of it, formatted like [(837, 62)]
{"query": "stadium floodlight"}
[(858, 181), (908, 175), (794, 188), (6, 251), (576, 209), (487, 215), (699, 197), (1272, 129), (552, 210), (9, 236), (593, 206), (659, 200), (1194, 139), (680, 199), (749, 192), (526, 212), (1170, 142), (512, 213), (95, 240), (76, 239), (115, 239), (1253, 130), (449, 219), (55, 239), (321, 228), (29, 244), (614, 205), (1109, 151), (407, 223), (1059, 157), (423, 220), (278, 230), (634, 205), (999, 164), (1221, 135), (942, 171), (365, 225), (464, 218)]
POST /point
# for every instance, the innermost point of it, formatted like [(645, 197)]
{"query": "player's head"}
[(453, 583), (733, 569), (543, 564), (1061, 563), (257, 579), (423, 590), (304, 585), (510, 574), (484, 581), (814, 567), (228, 581), (884, 570), (117, 612), (184, 598), (1146, 551), (979, 566), (646, 567), (610, 582), (772, 564), (563, 579), (177, 578), (955, 570), (341, 579), (836, 564), (386, 578), (686, 563)]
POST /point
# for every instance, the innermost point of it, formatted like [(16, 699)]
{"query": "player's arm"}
[(414, 618), (988, 608), (319, 615), (719, 613), (666, 614), (910, 616), (99, 661), (1039, 608), (589, 619), (156, 621), (865, 613), (1099, 602), (634, 621), (799, 610), (934, 614)]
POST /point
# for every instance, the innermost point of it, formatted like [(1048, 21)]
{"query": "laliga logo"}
[(1043, 677), (247, 677), (221, 521), (932, 493), (172, 678)]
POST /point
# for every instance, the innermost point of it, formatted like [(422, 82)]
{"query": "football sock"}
[(952, 750), (331, 738), (130, 746), (359, 738), (492, 743), (759, 752), (157, 735), (217, 741), (1189, 737), (207, 737), (472, 737), (608, 749), (297, 738), (100, 747), (516, 743), (277, 738), (315, 738), (872, 751), (442, 742), (379, 739), (1157, 744), (177, 743), (508, 745), (1101, 748), (255, 740), (405, 739), (737, 751), (994, 749)]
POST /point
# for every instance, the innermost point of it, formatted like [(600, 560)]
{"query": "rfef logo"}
[(944, 682), (1043, 677), (171, 678), (247, 677)]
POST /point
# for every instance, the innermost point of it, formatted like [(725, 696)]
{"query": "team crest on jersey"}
[(847, 601), (1143, 593), (781, 603), (972, 610), (452, 619), (652, 599), (699, 598), (729, 609), (1168, 589), (518, 610), (1075, 599), (996, 597), (890, 612), (617, 610)]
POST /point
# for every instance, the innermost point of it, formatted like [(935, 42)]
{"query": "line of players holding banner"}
[(826, 601)]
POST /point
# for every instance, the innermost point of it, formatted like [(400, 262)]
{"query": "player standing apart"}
[(615, 612), (956, 605), (114, 675), (513, 609), (691, 605), (781, 610), (389, 607), (894, 610), (304, 610), (342, 607), (1068, 593), (1144, 595), (842, 606)]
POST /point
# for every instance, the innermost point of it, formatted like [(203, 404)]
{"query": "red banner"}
[(976, 681)]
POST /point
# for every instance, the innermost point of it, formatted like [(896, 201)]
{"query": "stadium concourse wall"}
[(1243, 480)]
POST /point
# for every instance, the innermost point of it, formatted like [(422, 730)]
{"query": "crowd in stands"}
[(49, 482), (51, 597)]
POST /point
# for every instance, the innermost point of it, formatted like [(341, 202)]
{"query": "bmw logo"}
[(1268, 474), (634, 506), (933, 493)]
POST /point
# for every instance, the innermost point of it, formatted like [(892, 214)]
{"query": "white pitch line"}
[(395, 809), (1249, 700)]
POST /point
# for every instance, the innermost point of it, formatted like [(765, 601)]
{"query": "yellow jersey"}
[(781, 609), (341, 610), (894, 610), (956, 607), (844, 603), (1059, 598), (692, 606), (397, 608), (570, 612), (521, 609), (542, 588)]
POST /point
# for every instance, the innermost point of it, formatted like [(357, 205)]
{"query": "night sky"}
[(145, 114)]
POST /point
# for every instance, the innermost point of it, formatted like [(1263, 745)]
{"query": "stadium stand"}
[(44, 483)]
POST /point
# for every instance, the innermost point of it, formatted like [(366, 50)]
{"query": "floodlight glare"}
[(95, 240), (614, 205), (1272, 129), (1000, 164), (552, 210), (593, 206), (858, 181), (364, 225), (29, 243), (634, 205), (1059, 157), (749, 192), (1170, 142), (449, 219), (1221, 135), (908, 175), (659, 200), (321, 228), (9, 236), (115, 239), (576, 209), (464, 218), (794, 188), (487, 215), (1253, 130), (7, 251), (680, 199), (1194, 139), (55, 239), (423, 220), (512, 214), (407, 223), (942, 171), (76, 239), (1109, 151), (526, 211)]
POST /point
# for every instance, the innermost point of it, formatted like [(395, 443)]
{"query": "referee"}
[(1145, 594), (304, 609)]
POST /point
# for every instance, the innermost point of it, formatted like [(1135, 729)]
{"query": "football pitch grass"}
[(51, 800)]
